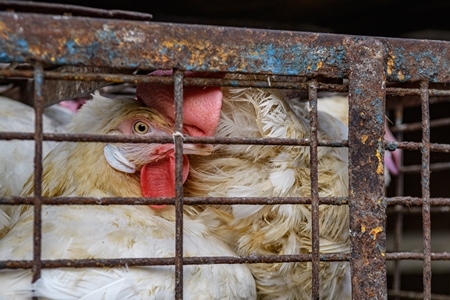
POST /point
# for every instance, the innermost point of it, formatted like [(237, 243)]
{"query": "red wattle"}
[(158, 178)]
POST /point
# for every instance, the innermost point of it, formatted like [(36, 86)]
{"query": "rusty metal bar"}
[(418, 125), (366, 177), (88, 41), (73, 10), (202, 260), (417, 210), (417, 256), (399, 190), (199, 260), (425, 181), (406, 201), (171, 201), (395, 91), (398, 237), (188, 81), (178, 140), (314, 161), (56, 90), (434, 147), (37, 234), (413, 201), (164, 139), (433, 167)]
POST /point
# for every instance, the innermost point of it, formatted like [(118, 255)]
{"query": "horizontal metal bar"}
[(74, 10), (129, 262), (391, 201), (396, 91), (391, 210), (187, 81), (99, 263), (415, 201), (85, 41), (418, 125), (16, 200), (434, 147), (169, 139), (442, 166), (417, 256)]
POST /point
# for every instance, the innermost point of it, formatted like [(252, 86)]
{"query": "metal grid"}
[(424, 97), (366, 63)]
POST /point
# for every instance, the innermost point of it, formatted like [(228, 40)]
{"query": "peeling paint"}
[(380, 168), (375, 231), (364, 138)]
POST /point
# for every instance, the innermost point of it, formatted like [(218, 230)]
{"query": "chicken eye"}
[(140, 127)]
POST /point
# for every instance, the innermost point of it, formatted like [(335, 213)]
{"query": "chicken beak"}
[(198, 149)]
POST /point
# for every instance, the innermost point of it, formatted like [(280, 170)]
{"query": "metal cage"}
[(379, 75)]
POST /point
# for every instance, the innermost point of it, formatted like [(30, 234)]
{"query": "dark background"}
[(395, 18)]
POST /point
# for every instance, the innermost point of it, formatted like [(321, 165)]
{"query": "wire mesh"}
[(358, 67)]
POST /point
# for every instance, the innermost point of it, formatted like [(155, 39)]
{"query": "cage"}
[(59, 52)]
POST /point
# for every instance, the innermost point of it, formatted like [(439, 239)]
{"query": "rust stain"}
[(363, 228), (390, 63), (375, 231), (36, 49), (400, 75), (4, 31), (364, 138), (319, 65), (380, 168)]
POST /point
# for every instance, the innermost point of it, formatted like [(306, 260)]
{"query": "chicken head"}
[(155, 162)]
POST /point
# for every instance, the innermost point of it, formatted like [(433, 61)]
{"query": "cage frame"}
[(366, 62)]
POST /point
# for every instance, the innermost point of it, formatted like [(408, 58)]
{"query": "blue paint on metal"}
[(234, 83), (22, 45), (272, 59), (378, 104), (39, 80), (391, 146), (70, 46), (358, 91)]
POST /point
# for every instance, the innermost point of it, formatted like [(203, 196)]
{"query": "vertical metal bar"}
[(178, 140), (38, 137), (313, 158), (425, 181), (399, 191), (366, 167)]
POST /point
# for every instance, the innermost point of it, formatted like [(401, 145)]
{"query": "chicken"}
[(16, 157), (118, 231), (16, 163), (337, 106), (274, 171)]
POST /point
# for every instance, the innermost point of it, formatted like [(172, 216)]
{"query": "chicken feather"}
[(114, 231), (283, 171)]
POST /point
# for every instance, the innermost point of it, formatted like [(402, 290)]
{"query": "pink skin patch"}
[(392, 161), (73, 105), (158, 178)]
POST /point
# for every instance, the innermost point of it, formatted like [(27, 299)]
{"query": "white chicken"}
[(282, 171), (117, 231), (16, 157)]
